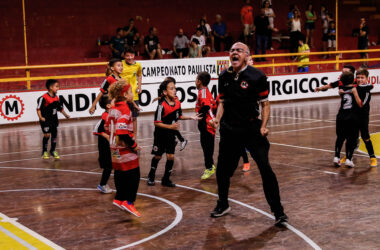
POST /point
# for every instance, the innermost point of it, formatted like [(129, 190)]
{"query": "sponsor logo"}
[(222, 65), (11, 107), (244, 85)]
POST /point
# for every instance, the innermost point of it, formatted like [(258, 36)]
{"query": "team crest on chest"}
[(244, 85)]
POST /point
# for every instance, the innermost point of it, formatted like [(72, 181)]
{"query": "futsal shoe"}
[(220, 210), (343, 160), (118, 204), (167, 183), (373, 162), (45, 156), (246, 167), (280, 219), (349, 163), (105, 189), (336, 162), (55, 155), (150, 182), (183, 145), (130, 208), (208, 172)]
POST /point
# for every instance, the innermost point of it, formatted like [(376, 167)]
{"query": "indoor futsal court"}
[(57, 203)]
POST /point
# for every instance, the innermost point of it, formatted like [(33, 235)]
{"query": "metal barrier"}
[(273, 65)]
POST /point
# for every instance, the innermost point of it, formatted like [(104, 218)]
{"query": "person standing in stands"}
[(262, 31), (133, 36), (242, 90), (117, 44), (246, 15), (219, 31), (132, 72), (152, 44), (311, 17), (363, 38)]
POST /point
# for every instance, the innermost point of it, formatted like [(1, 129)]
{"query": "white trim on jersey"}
[(366, 98), (39, 104), (96, 128), (204, 94), (159, 111)]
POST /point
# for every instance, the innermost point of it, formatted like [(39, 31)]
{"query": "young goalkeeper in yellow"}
[(133, 74)]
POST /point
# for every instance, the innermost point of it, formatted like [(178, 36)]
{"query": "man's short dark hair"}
[(50, 82), (104, 100), (129, 49), (350, 67), (131, 19), (347, 78), (151, 29), (204, 77), (118, 30)]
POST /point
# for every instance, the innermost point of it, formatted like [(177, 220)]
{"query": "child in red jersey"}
[(206, 108), (124, 149), (166, 124), (102, 131), (47, 107), (114, 69)]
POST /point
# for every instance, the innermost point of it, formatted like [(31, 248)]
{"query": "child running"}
[(166, 124), (47, 107), (124, 149), (102, 131), (206, 108)]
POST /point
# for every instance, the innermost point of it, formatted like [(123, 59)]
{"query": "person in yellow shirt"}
[(303, 48), (132, 72)]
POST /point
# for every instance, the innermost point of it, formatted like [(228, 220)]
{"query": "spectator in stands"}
[(270, 14), (133, 36), (262, 30), (246, 15), (304, 59), (295, 30), (202, 41), (195, 49), (331, 42), (325, 18), (205, 27), (363, 38), (219, 31), (117, 44), (292, 8), (181, 45), (152, 44), (311, 16)]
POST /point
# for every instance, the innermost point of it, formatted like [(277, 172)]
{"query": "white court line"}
[(31, 232), (295, 118), (295, 123), (39, 129), (291, 228), (176, 221), (16, 238), (302, 129)]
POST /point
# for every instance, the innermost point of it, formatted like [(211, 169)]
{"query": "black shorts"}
[(325, 37), (163, 144), (135, 112), (363, 127), (310, 26), (48, 127)]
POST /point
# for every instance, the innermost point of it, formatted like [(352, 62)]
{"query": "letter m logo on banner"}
[(11, 107)]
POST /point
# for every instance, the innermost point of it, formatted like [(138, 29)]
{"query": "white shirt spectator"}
[(201, 39), (296, 25)]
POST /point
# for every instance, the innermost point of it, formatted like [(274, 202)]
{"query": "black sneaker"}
[(183, 145), (167, 183), (281, 219), (220, 210), (150, 182)]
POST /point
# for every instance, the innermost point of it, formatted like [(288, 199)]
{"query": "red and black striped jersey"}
[(49, 106), (206, 106), (167, 114), (102, 125), (107, 83)]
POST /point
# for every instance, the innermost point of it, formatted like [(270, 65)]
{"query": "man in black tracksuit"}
[(241, 89)]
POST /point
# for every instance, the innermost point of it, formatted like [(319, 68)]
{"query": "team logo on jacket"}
[(244, 85)]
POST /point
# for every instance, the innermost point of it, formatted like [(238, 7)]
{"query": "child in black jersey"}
[(177, 133), (47, 107), (364, 92), (166, 124), (347, 120), (102, 131)]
